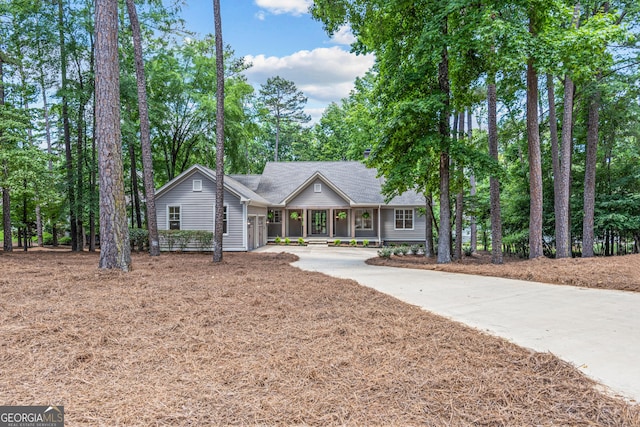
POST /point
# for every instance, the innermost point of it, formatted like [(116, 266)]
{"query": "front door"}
[(319, 223), (251, 228)]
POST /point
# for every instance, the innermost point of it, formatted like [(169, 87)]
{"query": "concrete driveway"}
[(596, 330)]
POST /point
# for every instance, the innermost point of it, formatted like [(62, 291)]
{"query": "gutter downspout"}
[(379, 225), (245, 221)]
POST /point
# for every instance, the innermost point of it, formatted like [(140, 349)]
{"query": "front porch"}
[(325, 224)]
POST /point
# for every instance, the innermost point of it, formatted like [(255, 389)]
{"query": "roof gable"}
[(353, 180), (311, 180), (231, 185)]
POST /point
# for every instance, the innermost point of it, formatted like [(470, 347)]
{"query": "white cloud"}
[(343, 36), (323, 70), (261, 15), (324, 75), (293, 7)]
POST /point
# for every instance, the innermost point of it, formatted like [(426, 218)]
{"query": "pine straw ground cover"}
[(253, 341), (617, 272)]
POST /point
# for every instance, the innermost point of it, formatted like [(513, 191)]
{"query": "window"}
[(404, 219), (275, 216), (364, 219), (224, 219), (174, 217), (317, 188), (197, 185)]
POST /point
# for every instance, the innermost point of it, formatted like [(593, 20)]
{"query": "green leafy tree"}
[(284, 105)]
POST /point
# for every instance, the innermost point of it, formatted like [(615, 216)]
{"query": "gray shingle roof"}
[(239, 187), (281, 179), (354, 179)]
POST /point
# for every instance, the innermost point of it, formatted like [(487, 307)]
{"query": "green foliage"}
[(138, 237), (281, 106), (203, 240), (181, 239), (182, 87), (64, 240), (401, 250), (301, 241), (365, 243), (353, 242), (287, 240), (337, 242), (385, 252), (277, 240)]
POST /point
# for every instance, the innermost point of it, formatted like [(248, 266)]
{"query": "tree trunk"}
[(24, 218), (47, 129), (472, 192), (275, 155), (6, 197), (444, 234), (80, 172), (535, 159), (460, 194), (494, 182), (219, 211), (47, 123), (6, 214), (563, 180), (92, 193), (145, 134), (66, 131), (39, 226), (563, 185), (115, 251), (135, 197), (555, 152), (428, 246), (590, 176)]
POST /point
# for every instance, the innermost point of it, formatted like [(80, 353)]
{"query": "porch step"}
[(318, 242)]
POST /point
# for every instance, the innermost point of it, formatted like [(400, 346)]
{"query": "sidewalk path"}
[(596, 330)]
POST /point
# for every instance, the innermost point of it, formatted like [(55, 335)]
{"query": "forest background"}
[(553, 170)]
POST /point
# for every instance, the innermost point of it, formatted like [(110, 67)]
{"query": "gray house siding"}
[(197, 208), (369, 233), (391, 234), (316, 191), (324, 199)]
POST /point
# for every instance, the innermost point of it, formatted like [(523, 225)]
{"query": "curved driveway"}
[(596, 330)]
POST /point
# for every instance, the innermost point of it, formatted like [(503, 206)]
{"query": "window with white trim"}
[(364, 219), (404, 219), (197, 185), (173, 214), (224, 220), (317, 188), (275, 216)]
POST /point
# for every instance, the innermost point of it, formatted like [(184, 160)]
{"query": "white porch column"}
[(304, 222), (283, 220), (330, 222), (353, 223), (379, 225)]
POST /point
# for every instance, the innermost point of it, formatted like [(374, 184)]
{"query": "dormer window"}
[(317, 188), (197, 185)]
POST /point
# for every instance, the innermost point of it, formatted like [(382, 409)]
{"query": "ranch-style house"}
[(317, 201)]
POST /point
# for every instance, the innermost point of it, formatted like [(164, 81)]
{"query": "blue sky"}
[(280, 38)]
